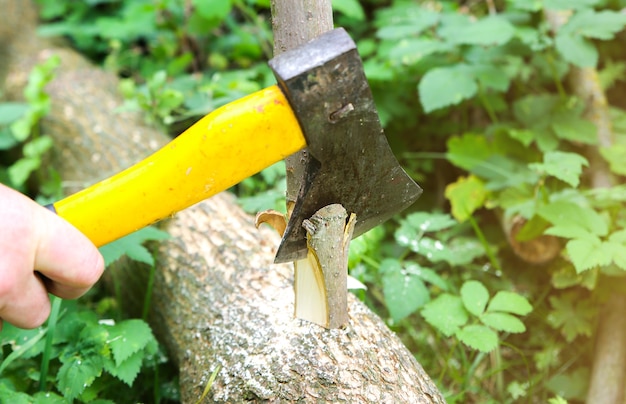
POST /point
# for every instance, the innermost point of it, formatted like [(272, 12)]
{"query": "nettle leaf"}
[(463, 250), (475, 297), (128, 370), (503, 322), (446, 313), (78, 372), (565, 166), (572, 315), (404, 291), (466, 195), (566, 214), (568, 125), (468, 151), (478, 337), (492, 30), (129, 337), (509, 302), (132, 245), (433, 249), (445, 86)]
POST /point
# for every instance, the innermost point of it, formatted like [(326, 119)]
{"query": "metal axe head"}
[(348, 160)]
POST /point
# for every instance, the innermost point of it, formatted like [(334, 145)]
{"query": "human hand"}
[(35, 241)]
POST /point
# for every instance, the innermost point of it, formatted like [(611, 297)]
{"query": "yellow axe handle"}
[(223, 148)]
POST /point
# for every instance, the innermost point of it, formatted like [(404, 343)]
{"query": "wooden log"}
[(218, 299)]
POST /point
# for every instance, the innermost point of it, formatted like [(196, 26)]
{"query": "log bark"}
[(219, 300)]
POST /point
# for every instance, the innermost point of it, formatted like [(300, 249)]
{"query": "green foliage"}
[(132, 246), (475, 100), (84, 354), (19, 126)]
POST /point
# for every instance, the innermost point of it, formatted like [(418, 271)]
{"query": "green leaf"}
[(566, 214), (598, 25), (509, 302), (21, 342), (572, 315), (38, 146), (131, 245), (466, 195), (445, 86), (503, 322), (11, 111), (128, 370), (492, 30), (213, 9), (566, 276), (349, 8), (576, 49), (129, 337), (615, 155), (571, 127), (409, 51), (587, 253), (446, 313), (468, 151), (404, 291), (78, 372), (572, 385), (478, 337), (430, 222), (565, 166), (21, 170), (475, 297), (526, 5), (491, 77), (404, 20)]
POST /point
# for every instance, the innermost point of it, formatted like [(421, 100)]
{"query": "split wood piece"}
[(321, 279)]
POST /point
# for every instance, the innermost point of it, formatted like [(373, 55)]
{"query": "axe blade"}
[(348, 159)]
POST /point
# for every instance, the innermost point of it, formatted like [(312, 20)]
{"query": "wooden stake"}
[(321, 279)]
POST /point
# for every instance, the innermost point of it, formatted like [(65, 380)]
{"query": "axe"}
[(322, 103)]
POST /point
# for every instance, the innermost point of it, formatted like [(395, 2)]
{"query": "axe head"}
[(348, 159)]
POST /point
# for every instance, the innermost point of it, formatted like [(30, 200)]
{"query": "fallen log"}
[(218, 299)]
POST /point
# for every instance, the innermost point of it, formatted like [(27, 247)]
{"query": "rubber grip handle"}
[(221, 149)]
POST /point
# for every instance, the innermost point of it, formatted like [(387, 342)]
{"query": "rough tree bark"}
[(218, 300)]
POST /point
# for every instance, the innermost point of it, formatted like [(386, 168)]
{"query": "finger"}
[(67, 258), (25, 302)]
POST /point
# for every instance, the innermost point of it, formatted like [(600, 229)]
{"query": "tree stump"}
[(218, 299)]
